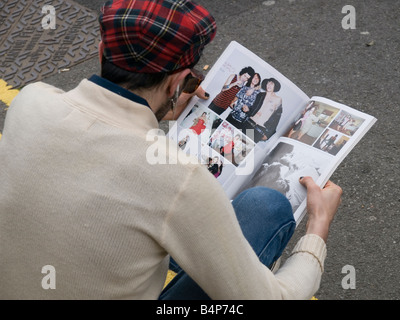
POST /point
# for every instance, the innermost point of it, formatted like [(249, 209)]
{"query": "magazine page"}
[(319, 139), (251, 104)]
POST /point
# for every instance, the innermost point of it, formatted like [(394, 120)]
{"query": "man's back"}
[(85, 193)]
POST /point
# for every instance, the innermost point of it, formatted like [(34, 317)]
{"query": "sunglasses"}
[(192, 81)]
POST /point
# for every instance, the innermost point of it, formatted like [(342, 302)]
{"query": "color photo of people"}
[(250, 103), (201, 122), (324, 127), (252, 96), (216, 164), (346, 123), (331, 141), (231, 143), (312, 122), (249, 106)]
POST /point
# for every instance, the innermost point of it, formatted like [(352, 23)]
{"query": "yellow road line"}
[(7, 94), (170, 275)]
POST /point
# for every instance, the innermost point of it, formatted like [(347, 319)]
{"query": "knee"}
[(266, 218), (267, 202)]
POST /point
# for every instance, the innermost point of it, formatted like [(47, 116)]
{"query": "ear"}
[(174, 80)]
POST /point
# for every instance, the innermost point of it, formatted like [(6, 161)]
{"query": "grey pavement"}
[(305, 41)]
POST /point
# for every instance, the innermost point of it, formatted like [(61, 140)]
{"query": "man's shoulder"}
[(39, 85), (37, 89), (35, 93)]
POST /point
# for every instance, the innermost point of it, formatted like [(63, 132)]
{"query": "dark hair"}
[(277, 85), (248, 83), (130, 80), (248, 70)]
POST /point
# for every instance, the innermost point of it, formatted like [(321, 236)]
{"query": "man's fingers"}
[(183, 101), (307, 182), (334, 187), (201, 93)]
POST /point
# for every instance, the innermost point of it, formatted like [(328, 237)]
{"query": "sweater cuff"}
[(313, 245)]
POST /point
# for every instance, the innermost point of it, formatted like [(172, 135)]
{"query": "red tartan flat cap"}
[(155, 36)]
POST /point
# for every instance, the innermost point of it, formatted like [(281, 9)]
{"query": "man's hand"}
[(322, 205), (183, 101)]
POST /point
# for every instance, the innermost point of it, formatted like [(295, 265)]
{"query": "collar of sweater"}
[(112, 107)]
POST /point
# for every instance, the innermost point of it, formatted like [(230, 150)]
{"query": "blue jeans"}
[(267, 222)]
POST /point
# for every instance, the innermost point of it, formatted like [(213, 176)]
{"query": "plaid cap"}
[(155, 36)]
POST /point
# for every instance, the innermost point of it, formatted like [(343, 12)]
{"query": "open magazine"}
[(259, 129)]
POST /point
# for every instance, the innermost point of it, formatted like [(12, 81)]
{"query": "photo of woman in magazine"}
[(331, 141), (266, 111), (346, 123), (230, 143), (215, 166), (312, 122), (199, 123), (243, 102), (229, 90), (256, 110)]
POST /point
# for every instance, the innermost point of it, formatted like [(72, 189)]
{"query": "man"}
[(231, 87), (85, 215)]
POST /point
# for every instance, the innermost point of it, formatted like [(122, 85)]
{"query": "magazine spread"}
[(259, 129)]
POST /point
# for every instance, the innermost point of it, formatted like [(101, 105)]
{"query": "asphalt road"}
[(305, 40)]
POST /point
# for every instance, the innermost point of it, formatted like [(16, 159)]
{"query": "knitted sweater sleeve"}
[(203, 235)]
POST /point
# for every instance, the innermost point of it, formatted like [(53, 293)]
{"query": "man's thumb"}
[(307, 181), (201, 93)]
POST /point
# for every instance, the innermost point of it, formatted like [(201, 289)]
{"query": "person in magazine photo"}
[(199, 122), (243, 102), (231, 143), (267, 110), (331, 142), (215, 166), (346, 123), (312, 122), (229, 90)]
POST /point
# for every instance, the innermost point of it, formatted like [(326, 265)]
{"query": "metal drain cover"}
[(39, 38)]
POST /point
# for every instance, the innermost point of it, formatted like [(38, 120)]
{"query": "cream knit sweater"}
[(77, 193)]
